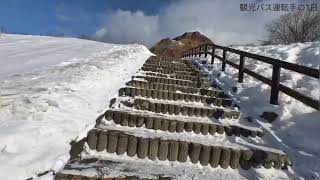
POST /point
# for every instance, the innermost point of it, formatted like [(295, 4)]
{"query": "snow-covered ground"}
[(296, 129), (51, 92)]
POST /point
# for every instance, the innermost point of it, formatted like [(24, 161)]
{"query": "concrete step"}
[(171, 95), (132, 119), (185, 110), (157, 147)]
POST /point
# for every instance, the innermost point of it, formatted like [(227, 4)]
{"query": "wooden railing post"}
[(200, 51), (241, 69), (275, 84), (194, 52), (212, 55), (205, 51), (224, 60)]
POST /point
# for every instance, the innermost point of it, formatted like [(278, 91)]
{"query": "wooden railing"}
[(274, 82)]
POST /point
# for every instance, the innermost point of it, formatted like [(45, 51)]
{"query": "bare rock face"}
[(173, 48)]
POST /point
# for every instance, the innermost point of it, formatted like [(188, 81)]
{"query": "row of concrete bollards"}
[(173, 96), (170, 81), (165, 108), (175, 88), (164, 124), (175, 150)]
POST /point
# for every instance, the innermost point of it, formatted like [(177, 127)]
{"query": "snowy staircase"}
[(169, 114)]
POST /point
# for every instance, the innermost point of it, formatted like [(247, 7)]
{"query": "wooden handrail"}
[(276, 63)]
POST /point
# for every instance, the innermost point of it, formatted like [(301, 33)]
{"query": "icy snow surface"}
[(51, 92), (296, 130)]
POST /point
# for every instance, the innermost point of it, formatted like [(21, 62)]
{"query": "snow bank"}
[(296, 129), (51, 92)]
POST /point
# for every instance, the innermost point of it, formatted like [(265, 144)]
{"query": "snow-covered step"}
[(144, 144), (211, 91), (166, 107), (169, 71), (174, 68), (175, 76), (178, 125), (179, 82), (171, 95)]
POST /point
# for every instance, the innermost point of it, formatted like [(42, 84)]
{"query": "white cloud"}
[(220, 20)]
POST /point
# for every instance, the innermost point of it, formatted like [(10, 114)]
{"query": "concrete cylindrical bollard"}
[(195, 152), (197, 98), (160, 95), (212, 129), (132, 92), (205, 129), (183, 151), (228, 130), (165, 95), (192, 98), (170, 88), (197, 128), (149, 122), (163, 150), (152, 107), (186, 97), (253, 133), (166, 87), (158, 107), (102, 141), (181, 97), (235, 159), (245, 165), (191, 111), (143, 92), (246, 154), (204, 112), (170, 96), (172, 126), (142, 149), (184, 111), (109, 115), (161, 87), (165, 108), (156, 123), (140, 121), (197, 112), (122, 144), (92, 138), (153, 149), (210, 113), (225, 158), (164, 125), (132, 146), (173, 150), (132, 120), (267, 164), (245, 132), (127, 92), (149, 93), (175, 96), (112, 142), (177, 109), (138, 92), (125, 119), (117, 117), (154, 94), (236, 130), (189, 126), (180, 126), (220, 129), (205, 155), (215, 156), (171, 109)]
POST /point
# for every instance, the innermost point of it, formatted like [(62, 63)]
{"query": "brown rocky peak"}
[(173, 48)]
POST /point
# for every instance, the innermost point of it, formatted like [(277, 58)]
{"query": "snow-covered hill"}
[(296, 129), (51, 91)]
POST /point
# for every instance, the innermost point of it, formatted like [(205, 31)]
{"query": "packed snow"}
[(51, 92), (296, 129)]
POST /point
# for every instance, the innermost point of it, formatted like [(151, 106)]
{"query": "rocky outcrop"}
[(173, 48)]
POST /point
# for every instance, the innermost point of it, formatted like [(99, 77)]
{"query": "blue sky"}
[(140, 21), (71, 17)]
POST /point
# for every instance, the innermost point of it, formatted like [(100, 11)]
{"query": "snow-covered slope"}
[(296, 129), (51, 92)]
